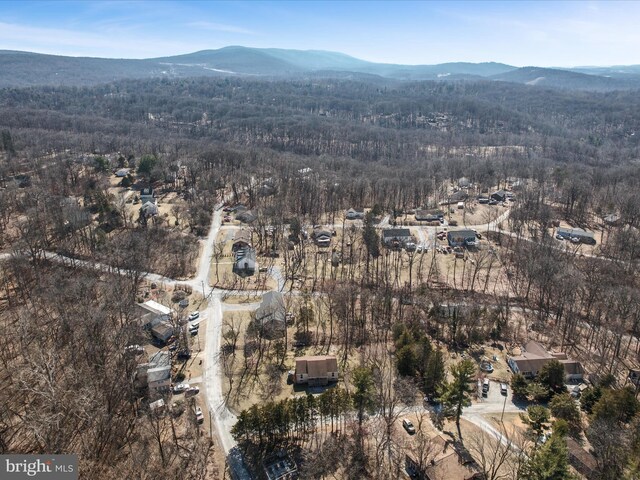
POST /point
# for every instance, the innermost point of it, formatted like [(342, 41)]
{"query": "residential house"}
[(156, 318), (580, 459), (582, 235), (271, 315), (322, 237), (241, 239), (451, 461), (462, 238), (353, 214), (316, 370), (238, 208), (499, 196), (245, 263), (396, 238), (267, 188), (162, 330), (123, 172), (455, 197), (156, 373), (149, 209), (534, 356), (246, 217), (613, 219), (147, 195), (429, 215), (464, 182), (280, 466)]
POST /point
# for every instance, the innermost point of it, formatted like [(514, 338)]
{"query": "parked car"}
[(180, 388), (191, 391), (410, 247), (199, 415), (503, 388), (184, 303), (493, 202), (134, 350), (194, 315), (408, 426)]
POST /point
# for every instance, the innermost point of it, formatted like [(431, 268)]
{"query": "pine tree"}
[(434, 373), (457, 394)]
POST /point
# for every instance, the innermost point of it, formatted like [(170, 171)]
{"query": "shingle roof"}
[(316, 366)]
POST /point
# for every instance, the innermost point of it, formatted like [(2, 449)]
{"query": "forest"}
[(299, 153)]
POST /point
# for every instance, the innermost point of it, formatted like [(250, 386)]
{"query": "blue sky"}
[(543, 33)]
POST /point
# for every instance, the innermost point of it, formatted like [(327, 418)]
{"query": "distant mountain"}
[(567, 79), (28, 69)]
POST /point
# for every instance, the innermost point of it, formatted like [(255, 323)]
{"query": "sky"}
[(520, 33)]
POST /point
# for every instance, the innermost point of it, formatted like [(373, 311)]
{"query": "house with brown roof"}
[(450, 462), (316, 370), (534, 356), (580, 459), (241, 239)]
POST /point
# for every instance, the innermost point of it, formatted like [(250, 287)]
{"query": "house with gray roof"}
[(271, 315), (582, 235)]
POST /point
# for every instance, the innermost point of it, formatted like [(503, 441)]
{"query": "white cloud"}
[(80, 43)]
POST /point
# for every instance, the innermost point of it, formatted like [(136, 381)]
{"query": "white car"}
[(194, 315), (181, 388), (199, 415)]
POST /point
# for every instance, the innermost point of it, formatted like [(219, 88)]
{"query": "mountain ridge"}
[(32, 69)]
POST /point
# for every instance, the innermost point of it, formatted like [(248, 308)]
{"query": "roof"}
[(462, 234), (155, 307), (534, 356), (162, 329), (158, 374), (585, 460), (502, 193), (160, 358), (449, 463), (317, 365), (396, 232), (149, 208), (242, 235), (272, 306), (574, 232), (246, 217), (431, 214)]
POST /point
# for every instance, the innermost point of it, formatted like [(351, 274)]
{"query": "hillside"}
[(19, 69), (566, 79)]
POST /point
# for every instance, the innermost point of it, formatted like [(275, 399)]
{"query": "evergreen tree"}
[(549, 462), (552, 376), (537, 418), (563, 406), (434, 373), (519, 386), (457, 394), (363, 396)]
